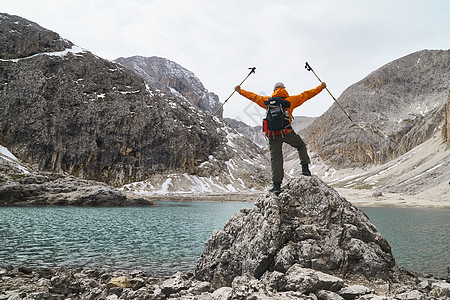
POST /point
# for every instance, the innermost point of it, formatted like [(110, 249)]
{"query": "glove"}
[(237, 88), (324, 85)]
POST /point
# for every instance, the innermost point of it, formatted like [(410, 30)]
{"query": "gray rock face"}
[(21, 38), (309, 225), (395, 108), (169, 77)]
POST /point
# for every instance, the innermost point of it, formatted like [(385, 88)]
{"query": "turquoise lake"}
[(170, 237)]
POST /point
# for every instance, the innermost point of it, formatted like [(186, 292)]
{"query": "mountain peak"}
[(20, 38), (171, 78)]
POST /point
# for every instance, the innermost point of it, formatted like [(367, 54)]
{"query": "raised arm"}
[(298, 100), (252, 96)]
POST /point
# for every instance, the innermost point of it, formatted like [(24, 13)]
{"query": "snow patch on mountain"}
[(185, 184), (247, 170), (75, 50), (6, 155)]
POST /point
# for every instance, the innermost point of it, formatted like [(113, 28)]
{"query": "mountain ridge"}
[(169, 77), (395, 108)]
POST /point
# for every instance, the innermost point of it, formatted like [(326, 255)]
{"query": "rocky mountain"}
[(395, 108), (171, 78), (64, 109), (398, 146)]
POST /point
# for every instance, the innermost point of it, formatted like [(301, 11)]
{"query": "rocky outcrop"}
[(169, 77), (71, 111), (22, 38), (446, 126), (395, 108), (22, 186), (308, 226)]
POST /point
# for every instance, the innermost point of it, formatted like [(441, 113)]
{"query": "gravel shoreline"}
[(82, 283)]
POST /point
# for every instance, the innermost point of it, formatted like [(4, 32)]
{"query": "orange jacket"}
[(296, 100)]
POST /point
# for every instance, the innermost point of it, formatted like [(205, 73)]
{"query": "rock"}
[(328, 295), (377, 194), (354, 291), (121, 282), (25, 270), (304, 280), (115, 291), (175, 284), (137, 283), (64, 284), (411, 295), (440, 290), (222, 293), (375, 297), (308, 225), (245, 286), (199, 287)]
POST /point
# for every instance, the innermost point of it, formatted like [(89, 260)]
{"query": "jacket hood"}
[(280, 92)]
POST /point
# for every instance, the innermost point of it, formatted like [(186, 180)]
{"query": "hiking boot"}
[(305, 170), (276, 189)]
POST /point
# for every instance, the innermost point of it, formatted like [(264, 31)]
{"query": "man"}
[(285, 136)]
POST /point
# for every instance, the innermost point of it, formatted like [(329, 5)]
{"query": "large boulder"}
[(309, 225)]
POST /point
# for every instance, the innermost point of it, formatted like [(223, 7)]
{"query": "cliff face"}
[(67, 110), (171, 78), (395, 108)]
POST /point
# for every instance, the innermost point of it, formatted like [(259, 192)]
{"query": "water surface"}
[(170, 237)]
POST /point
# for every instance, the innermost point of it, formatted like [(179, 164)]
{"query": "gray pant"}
[(276, 153)]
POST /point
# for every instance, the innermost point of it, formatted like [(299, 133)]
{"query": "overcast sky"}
[(343, 40)]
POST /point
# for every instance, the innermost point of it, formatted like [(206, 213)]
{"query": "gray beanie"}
[(278, 85)]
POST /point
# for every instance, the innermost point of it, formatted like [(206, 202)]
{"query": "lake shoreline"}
[(359, 198)]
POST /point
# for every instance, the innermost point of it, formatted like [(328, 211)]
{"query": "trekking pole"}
[(252, 71), (308, 67)]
